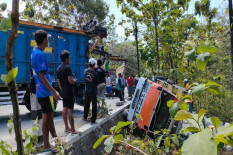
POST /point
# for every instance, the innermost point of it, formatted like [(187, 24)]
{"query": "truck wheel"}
[(55, 104), (26, 100)]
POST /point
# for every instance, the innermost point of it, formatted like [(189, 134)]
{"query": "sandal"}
[(52, 149), (67, 131), (76, 132)]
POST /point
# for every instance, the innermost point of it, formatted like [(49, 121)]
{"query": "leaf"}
[(184, 106), (11, 75), (28, 147), (5, 24), (169, 103), (190, 55), (190, 129), (201, 64), (118, 137), (3, 78), (206, 47), (3, 6), (201, 112), (158, 141), (156, 132), (186, 97), (139, 116), (137, 143), (121, 124), (167, 142), (109, 144), (173, 110), (212, 83), (10, 126), (200, 143), (33, 129), (183, 115), (226, 131), (197, 90), (223, 139), (112, 129), (213, 91), (97, 143), (175, 141), (213, 88), (216, 122)]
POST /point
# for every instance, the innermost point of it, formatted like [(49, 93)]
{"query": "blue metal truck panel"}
[(76, 43)]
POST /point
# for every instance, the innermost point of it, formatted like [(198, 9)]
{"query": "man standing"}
[(66, 85), (91, 78), (186, 84), (101, 87), (44, 90), (130, 85), (187, 88), (108, 86), (119, 87)]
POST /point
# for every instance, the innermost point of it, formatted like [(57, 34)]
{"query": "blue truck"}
[(72, 40)]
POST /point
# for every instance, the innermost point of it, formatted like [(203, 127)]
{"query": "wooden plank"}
[(49, 26), (169, 88), (74, 31), (179, 91), (160, 83), (98, 41)]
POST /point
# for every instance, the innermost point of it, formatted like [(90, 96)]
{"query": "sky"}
[(220, 4)]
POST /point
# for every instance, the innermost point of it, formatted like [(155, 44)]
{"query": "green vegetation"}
[(173, 43)]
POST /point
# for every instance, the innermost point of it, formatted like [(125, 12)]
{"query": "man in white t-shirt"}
[(108, 85)]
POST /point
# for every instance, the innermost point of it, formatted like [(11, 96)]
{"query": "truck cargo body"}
[(76, 42)]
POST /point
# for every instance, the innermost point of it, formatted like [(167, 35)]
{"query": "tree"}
[(64, 13), (3, 7), (169, 24), (231, 32), (203, 8), (11, 73)]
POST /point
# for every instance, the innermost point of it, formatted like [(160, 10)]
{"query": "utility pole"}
[(136, 38), (231, 32), (156, 34)]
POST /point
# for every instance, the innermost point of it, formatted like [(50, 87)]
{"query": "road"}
[(26, 122)]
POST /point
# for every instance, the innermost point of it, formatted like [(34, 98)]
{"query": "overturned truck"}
[(150, 103)]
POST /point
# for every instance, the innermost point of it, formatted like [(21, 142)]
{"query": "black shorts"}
[(68, 102), (47, 104), (68, 99)]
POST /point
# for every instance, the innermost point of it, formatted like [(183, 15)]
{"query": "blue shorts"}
[(131, 90), (108, 89)]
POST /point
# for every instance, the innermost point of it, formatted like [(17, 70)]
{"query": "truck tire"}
[(26, 100)]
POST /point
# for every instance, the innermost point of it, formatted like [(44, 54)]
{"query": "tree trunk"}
[(156, 34), (136, 39), (231, 30), (57, 9), (12, 87)]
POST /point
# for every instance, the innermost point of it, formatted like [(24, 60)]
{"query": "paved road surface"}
[(26, 122)]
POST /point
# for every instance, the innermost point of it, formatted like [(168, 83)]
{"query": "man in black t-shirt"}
[(101, 87), (66, 85), (91, 78)]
